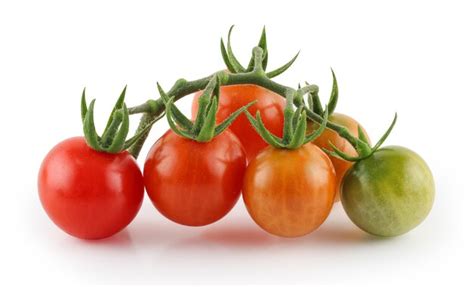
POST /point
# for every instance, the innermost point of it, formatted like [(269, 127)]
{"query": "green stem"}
[(182, 88), (146, 119), (109, 133)]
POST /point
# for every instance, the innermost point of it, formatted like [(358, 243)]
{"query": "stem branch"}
[(182, 88)]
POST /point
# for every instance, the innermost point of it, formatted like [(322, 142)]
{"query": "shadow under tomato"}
[(353, 236), (340, 235), (244, 235), (232, 235), (341, 231), (155, 233), (120, 239)]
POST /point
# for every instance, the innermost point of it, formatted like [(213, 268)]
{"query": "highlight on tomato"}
[(194, 172), (330, 137), (91, 187), (289, 187)]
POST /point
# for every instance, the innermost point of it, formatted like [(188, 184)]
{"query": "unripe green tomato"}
[(389, 193)]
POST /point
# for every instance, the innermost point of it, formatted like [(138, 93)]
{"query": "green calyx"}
[(362, 146), (234, 66), (314, 102), (360, 143), (114, 137), (204, 128), (294, 127)]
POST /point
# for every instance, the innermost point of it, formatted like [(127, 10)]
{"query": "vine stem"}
[(152, 109)]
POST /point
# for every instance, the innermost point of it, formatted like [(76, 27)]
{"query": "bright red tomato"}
[(89, 194), (270, 105), (290, 193), (195, 183)]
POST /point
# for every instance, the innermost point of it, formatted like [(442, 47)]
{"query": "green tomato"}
[(389, 193)]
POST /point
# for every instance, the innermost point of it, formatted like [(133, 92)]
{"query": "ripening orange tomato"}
[(270, 105), (340, 165), (290, 193)]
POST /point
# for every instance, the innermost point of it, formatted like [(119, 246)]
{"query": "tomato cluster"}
[(290, 166)]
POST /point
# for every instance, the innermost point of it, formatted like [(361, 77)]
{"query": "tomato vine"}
[(153, 110)]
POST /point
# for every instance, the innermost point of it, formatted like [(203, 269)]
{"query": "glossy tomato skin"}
[(341, 166), (389, 193), (89, 194), (290, 193), (270, 105), (194, 183)]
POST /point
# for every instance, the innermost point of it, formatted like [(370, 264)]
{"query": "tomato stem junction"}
[(254, 74)]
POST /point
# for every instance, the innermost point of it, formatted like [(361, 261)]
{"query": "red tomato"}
[(340, 165), (270, 105), (195, 183), (290, 193), (89, 194)]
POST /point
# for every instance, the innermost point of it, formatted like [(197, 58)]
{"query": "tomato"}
[(290, 192), (340, 165), (89, 194), (195, 183), (389, 193), (270, 105)]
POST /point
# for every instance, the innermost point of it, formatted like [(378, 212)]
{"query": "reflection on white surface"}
[(234, 250)]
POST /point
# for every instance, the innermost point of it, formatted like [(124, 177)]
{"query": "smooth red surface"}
[(290, 193), (89, 194), (270, 105), (195, 183)]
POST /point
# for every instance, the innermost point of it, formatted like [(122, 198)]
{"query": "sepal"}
[(114, 137)]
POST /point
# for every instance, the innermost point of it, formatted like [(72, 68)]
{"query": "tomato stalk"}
[(182, 88), (255, 74)]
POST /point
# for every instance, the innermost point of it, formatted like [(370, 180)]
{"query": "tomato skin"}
[(194, 183), (341, 166), (270, 105), (290, 193), (89, 194), (389, 193)]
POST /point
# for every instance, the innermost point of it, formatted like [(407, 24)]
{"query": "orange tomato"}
[(340, 165), (290, 193), (270, 105)]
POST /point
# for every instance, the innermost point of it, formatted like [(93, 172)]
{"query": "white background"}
[(411, 57)]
